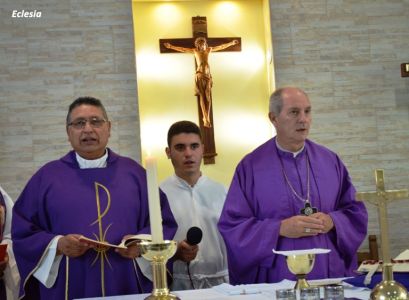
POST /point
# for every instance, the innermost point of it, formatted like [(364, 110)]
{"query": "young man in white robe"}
[(195, 201)]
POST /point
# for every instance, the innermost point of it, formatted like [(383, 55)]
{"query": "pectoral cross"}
[(380, 198), (308, 210), (203, 88)]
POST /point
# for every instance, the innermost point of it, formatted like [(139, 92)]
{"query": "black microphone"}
[(194, 235)]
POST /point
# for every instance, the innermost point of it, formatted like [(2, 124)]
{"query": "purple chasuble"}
[(63, 199), (259, 198), (2, 226)]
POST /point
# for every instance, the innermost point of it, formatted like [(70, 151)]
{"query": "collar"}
[(185, 184), (92, 163), (295, 154)]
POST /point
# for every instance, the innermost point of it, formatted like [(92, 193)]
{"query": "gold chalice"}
[(300, 265), (158, 254)]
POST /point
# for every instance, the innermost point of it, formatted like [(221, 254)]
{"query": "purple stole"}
[(2, 225)]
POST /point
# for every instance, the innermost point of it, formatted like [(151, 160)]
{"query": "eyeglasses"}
[(93, 122)]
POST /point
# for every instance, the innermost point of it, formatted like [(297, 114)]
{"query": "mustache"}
[(88, 137)]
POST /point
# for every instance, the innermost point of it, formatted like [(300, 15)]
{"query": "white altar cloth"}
[(261, 291)]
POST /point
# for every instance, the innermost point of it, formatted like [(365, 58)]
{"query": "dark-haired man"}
[(195, 200), (91, 192)]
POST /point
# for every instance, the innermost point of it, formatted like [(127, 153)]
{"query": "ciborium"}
[(158, 254), (300, 265), (388, 289)]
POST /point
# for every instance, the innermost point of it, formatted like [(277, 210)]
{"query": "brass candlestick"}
[(158, 254), (388, 289), (300, 265)]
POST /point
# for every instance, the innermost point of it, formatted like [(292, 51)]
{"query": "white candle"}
[(155, 215)]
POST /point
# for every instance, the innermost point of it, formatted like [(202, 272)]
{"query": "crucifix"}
[(380, 198), (201, 45)]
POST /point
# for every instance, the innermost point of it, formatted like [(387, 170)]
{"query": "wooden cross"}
[(380, 198), (199, 25)]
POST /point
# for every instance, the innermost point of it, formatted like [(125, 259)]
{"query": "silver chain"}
[(308, 182)]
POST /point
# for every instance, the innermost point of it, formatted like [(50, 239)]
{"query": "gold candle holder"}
[(388, 289), (158, 254), (300, 265)]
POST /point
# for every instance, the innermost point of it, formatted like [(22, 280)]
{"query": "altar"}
[(261, 291)]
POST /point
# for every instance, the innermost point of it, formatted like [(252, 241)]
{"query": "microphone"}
[(194, 235)]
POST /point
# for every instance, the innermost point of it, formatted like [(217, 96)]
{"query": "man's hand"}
[(301, 226), (186, 252), (132, 251), (71, 246), (326, 219), (3, 265)]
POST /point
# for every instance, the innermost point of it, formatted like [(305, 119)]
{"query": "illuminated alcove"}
[(242, 80)]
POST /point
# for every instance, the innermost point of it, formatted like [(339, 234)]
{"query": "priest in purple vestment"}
[(291, 194), (91, 192)]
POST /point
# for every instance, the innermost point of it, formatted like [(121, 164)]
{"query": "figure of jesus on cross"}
[(200, 45), (203, 77)]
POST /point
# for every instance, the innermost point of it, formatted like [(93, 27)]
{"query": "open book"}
[(400, 264), (124, 243), (370, 267)]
